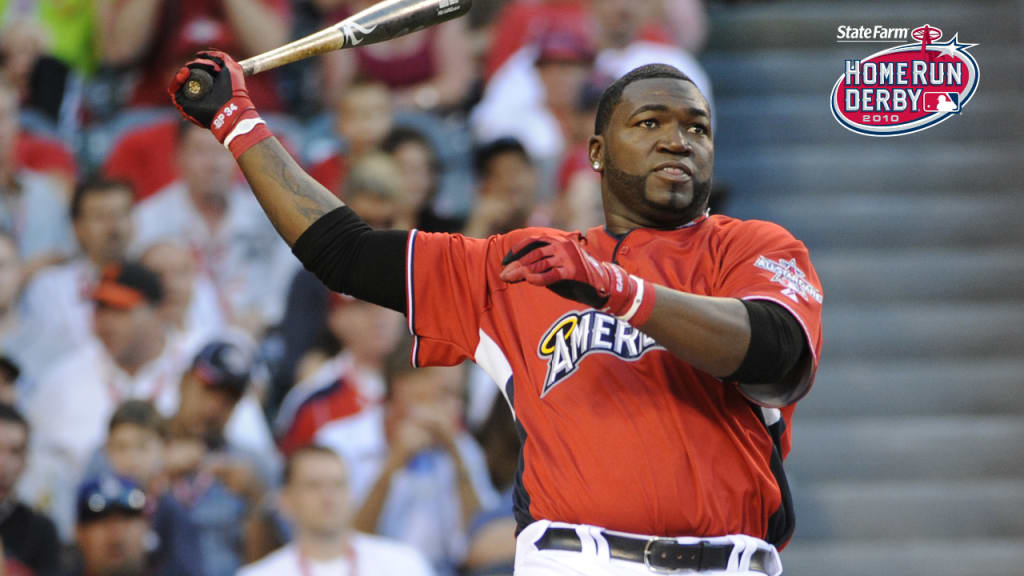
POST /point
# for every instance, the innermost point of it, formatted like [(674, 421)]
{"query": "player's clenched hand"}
[(226, 108), (563, 265)]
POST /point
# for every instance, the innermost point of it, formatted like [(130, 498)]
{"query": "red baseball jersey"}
[(616, 431)]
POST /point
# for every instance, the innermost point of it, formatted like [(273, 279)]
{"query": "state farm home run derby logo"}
[(578, 334), (906, 88)]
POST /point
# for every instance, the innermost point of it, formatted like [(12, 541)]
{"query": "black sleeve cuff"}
[(776, 344), (350, 257)]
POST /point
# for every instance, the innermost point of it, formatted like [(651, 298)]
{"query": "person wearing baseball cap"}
[(112, 527), (131, 357), (211, 389)]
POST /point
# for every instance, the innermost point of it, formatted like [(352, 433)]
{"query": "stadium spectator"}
[(144, 156), (346, 383), (190, 307), (223, 223), (505, 191), (363, 117), (686, 21), (308, 340), (23, 350), (218, 494), (533, 96), (136, 444), (112, 529), (32, 206), (156, 36), (10, 372), (217, 404), (316, 499), (130, 358), (420, 173), (519, 20), (416, 475), (27, 537), (623, 45), (578, 205), (47, 50), (57, 301), (428, 70)]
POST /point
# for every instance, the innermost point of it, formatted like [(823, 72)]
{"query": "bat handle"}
[(198, 85), (200, 82)]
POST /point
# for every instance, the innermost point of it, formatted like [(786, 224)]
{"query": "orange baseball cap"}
[(127, 285)]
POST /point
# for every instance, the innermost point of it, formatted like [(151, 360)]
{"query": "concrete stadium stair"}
[(908, 455)]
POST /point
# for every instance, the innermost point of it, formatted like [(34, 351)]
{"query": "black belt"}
[(663, 555)]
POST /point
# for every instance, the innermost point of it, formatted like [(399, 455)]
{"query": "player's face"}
[(657, 154), (317, 494)]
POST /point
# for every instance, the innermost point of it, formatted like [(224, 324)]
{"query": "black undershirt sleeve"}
[(777, 343), (350, 257)]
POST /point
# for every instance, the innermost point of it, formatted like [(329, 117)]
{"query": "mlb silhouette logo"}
[(941, 102)]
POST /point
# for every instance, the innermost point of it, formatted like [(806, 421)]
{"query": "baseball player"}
[(651, 365)]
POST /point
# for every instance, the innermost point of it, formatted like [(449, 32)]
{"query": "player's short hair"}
[(11, 415), (139, 413), (613, 94), (307, 450), (96, 185), (485, 153)]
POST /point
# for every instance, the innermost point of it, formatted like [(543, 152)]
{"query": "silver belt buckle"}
[(647, 556)]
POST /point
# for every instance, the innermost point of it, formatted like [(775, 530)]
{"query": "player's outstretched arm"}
[(756, 344), (291, 198), (330, 239)]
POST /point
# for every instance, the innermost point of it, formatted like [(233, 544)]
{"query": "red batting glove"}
[(226, 109), (563, 266)]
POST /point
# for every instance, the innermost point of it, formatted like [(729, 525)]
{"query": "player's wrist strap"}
[(642, 305), (246, 133)]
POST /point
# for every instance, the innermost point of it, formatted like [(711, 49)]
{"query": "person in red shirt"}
[(156, 35), (651, 364)]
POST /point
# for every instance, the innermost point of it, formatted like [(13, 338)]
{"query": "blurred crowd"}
[(177, 395)]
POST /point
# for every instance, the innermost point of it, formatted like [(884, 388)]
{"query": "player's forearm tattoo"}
[(308, 200)]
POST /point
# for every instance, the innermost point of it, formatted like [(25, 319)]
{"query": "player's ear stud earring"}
[(597, 165)]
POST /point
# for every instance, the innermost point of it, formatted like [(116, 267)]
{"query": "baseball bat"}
[(382, 21)]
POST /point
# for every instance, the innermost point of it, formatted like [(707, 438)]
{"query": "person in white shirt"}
[(190, 305), (622, 47), (220, 219), (131, 358), (315, 498), (57, 301), (417, 475)]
